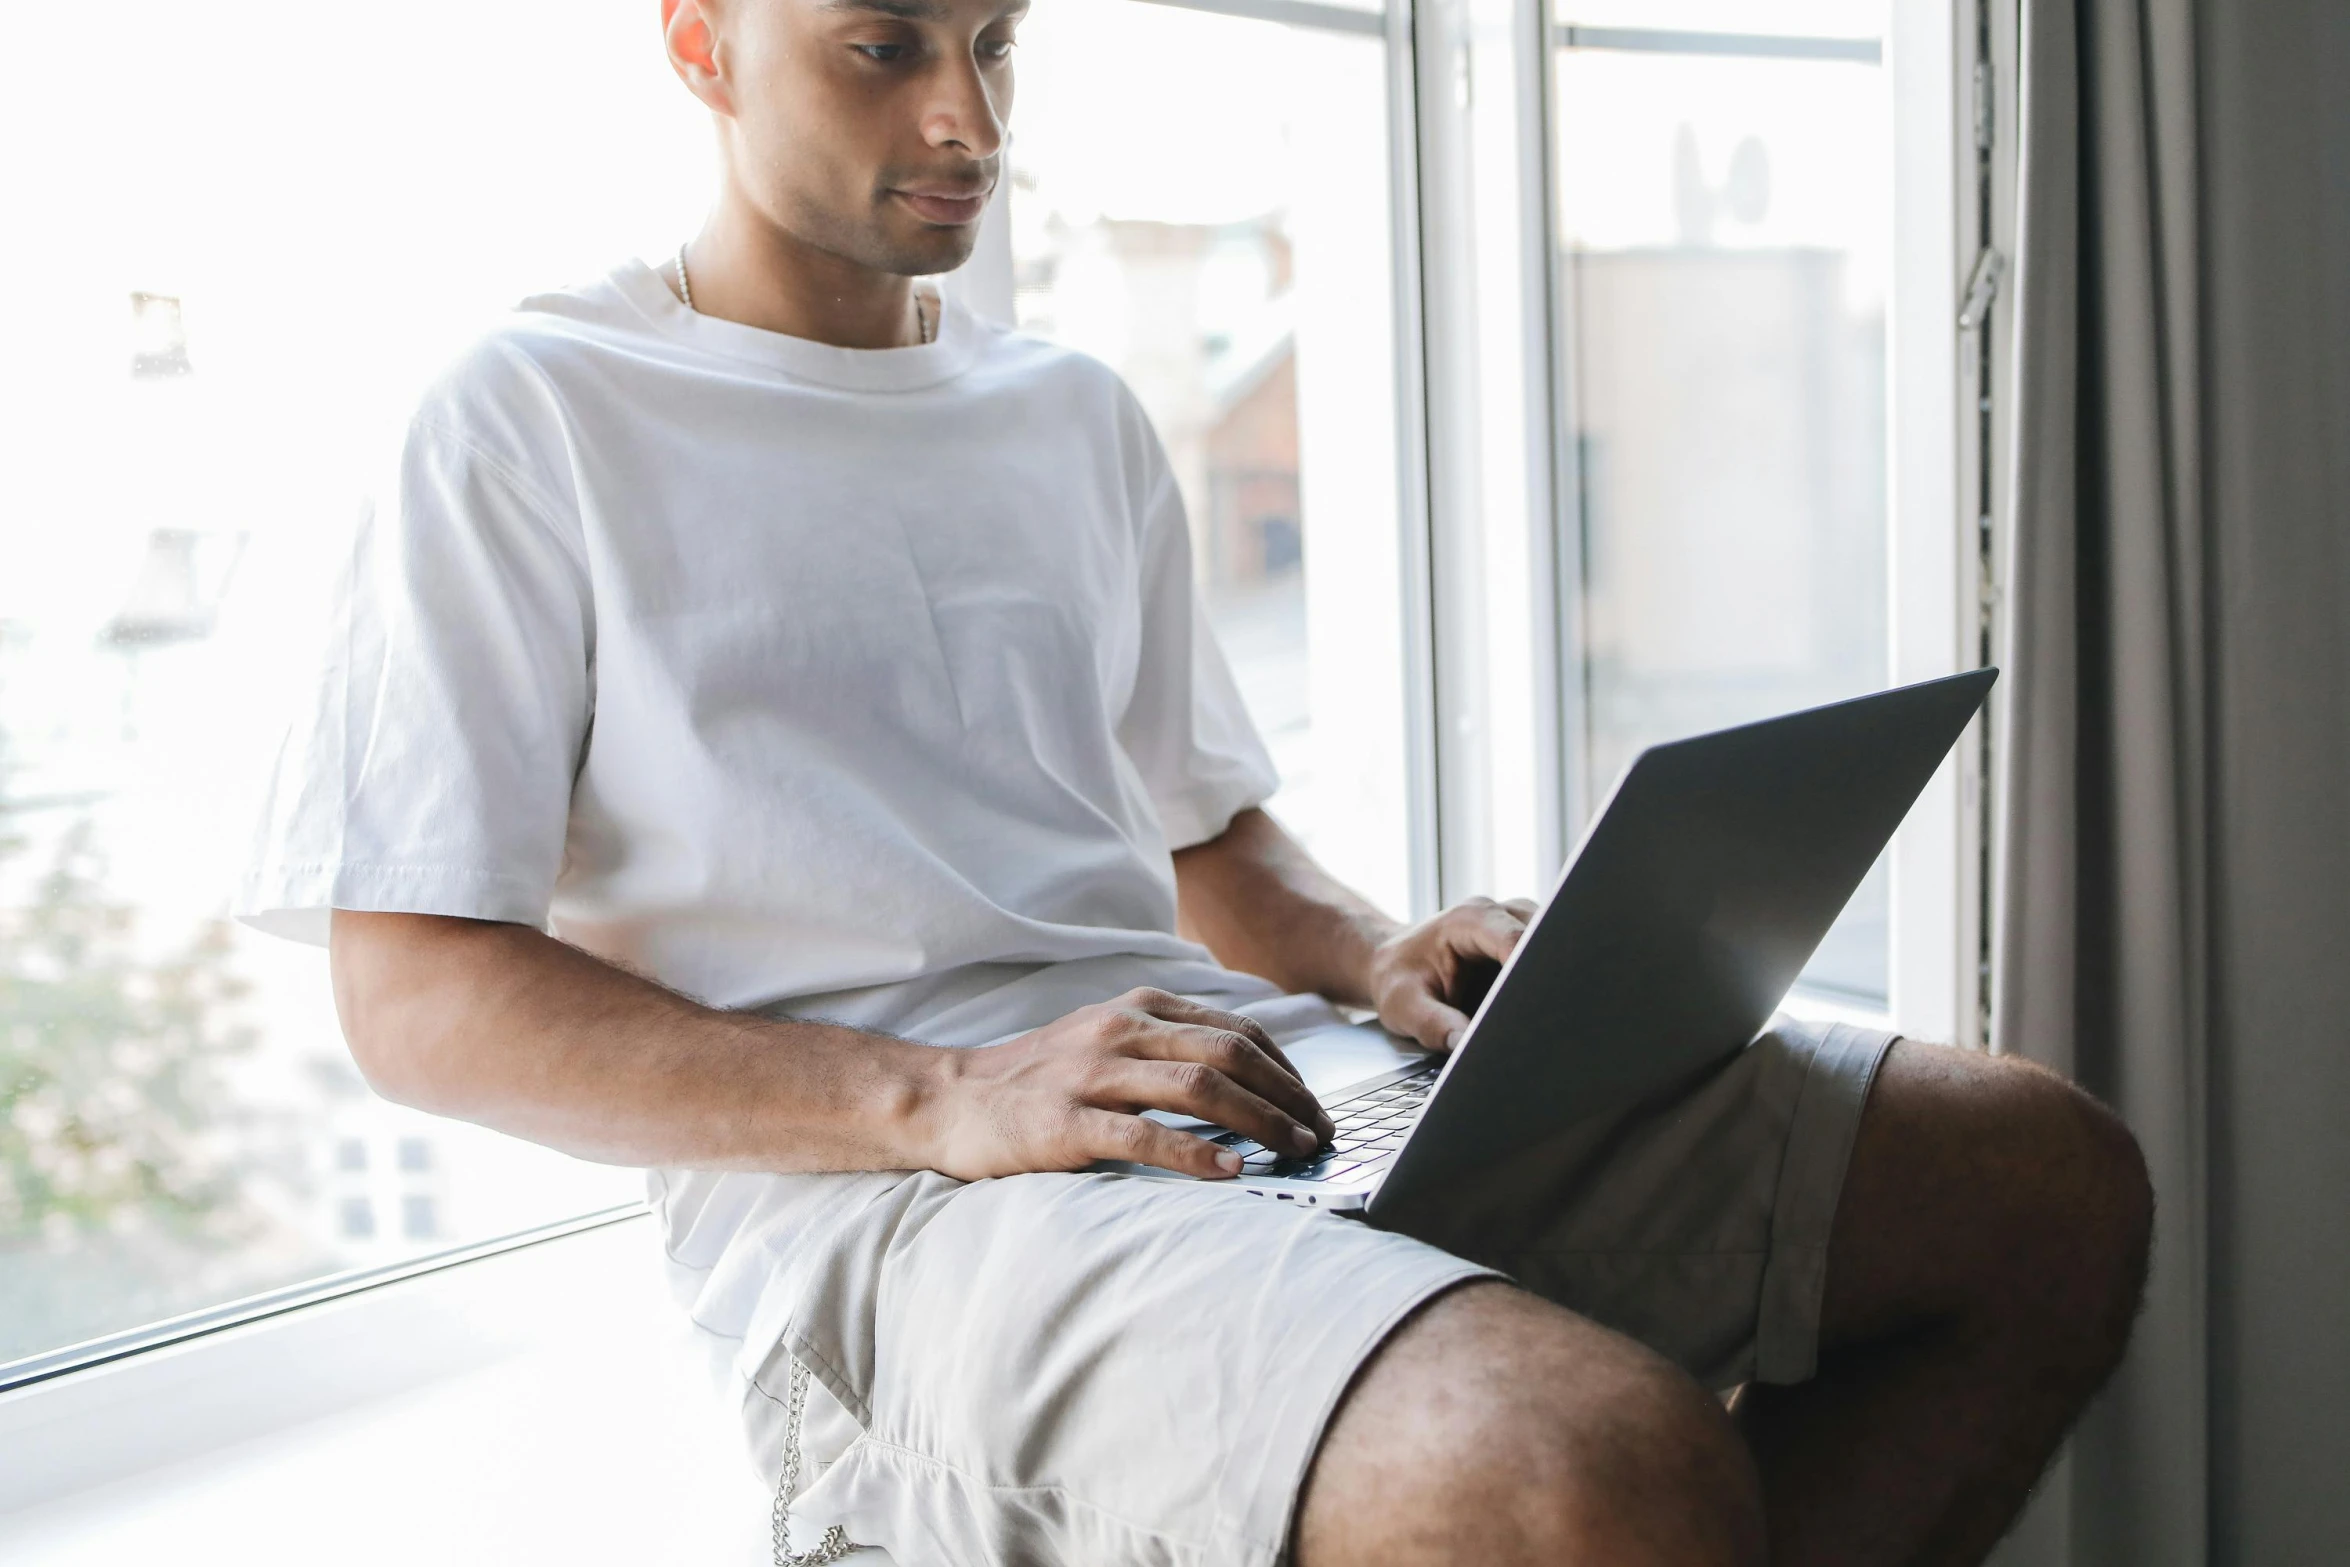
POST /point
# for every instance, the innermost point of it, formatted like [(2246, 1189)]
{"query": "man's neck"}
[(745, 269)]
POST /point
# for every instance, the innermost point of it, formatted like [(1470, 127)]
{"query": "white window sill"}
[(1813, 1007), (545, 1406)]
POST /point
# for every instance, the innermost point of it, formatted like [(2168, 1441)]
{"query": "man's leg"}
[(1985, 1266), (1496, 1429)]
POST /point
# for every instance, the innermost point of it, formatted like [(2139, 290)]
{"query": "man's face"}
[(872, 129)]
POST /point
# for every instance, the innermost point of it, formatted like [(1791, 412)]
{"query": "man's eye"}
[(885, 53), (999, 49)]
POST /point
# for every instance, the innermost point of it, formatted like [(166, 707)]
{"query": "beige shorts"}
[(1094, 1369)]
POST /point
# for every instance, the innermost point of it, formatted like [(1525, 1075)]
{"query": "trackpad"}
[(1339, 1058)]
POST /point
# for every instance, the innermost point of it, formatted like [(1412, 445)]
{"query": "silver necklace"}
[(923, 327)]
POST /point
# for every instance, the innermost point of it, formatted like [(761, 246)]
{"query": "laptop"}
[(1673, 934)]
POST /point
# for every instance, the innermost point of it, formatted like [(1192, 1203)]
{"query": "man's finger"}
[(1491, 931), (1188, 1088), (1425, 1017), (1177, 1009), (1105, 1134), (1524, 908), (1241, 1059)]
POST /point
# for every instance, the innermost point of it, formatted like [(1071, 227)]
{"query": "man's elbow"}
[(391, 974)]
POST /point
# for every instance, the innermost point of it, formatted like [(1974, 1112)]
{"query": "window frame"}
[(1954, 194), (189, 1327)]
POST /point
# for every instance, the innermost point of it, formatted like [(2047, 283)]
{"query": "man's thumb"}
[(1423, 1017)]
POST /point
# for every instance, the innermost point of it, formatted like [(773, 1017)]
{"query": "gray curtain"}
[(2174, 865)]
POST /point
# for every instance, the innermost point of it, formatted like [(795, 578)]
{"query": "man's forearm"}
[(505, 1026), (1258, 901)]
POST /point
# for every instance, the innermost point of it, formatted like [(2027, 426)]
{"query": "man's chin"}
[(931, 251), (896, 243)]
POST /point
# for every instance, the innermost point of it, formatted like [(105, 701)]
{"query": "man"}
[(821, 666)]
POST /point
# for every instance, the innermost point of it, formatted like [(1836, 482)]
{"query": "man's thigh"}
[(1076, 1368), (1085, 1368), (1699, 1223), (1497, 1428)]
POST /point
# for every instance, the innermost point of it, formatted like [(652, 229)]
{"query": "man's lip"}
[(945, 206)]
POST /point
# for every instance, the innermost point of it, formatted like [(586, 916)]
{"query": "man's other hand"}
[(1072, 1092), (1427, 978)]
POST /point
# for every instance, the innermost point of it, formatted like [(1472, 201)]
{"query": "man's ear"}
[(693, 52)]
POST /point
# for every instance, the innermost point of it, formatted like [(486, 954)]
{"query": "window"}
[(209, 316), (1690, 273), (1539, 386), (1725, 223), (1234, 267), (190, 404)]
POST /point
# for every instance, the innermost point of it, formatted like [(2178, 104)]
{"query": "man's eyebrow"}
[(914, 10), (905, 10)]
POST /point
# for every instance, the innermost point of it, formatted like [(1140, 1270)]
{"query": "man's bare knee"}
[(2095, 1215), (1991, 1191), (1497, 1429)]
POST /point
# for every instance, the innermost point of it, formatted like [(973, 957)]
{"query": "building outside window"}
[(1236, 274), (1725, 225), (1773, 439)]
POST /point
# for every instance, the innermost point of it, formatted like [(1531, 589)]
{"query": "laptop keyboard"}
[(1371, 1128)]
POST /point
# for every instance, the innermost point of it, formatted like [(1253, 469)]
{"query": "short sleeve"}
[(1185, 726), (429, 767)]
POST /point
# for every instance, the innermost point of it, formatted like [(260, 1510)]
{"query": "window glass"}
[(1726, 223), (1233, 266), (222, 284)]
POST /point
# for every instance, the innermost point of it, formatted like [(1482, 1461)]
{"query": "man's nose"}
[(962, 112)]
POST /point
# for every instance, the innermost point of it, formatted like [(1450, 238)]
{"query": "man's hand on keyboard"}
[(1426, 978), (1072, 1092)]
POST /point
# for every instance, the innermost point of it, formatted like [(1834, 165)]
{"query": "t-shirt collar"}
[(852, 369)]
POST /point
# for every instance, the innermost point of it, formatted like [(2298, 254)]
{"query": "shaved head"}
[(871, 131)]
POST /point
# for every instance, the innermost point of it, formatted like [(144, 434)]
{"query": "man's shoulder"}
[(504, 389), (1080, 384), (1018, 350)]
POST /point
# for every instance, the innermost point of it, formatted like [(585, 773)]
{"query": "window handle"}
[(1981, 289)]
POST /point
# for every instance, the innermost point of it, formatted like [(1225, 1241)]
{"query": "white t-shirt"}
[(865, 684)]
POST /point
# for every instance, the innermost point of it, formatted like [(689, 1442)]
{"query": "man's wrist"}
[(1357, 983), (843, 1098), (913, 1109)]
